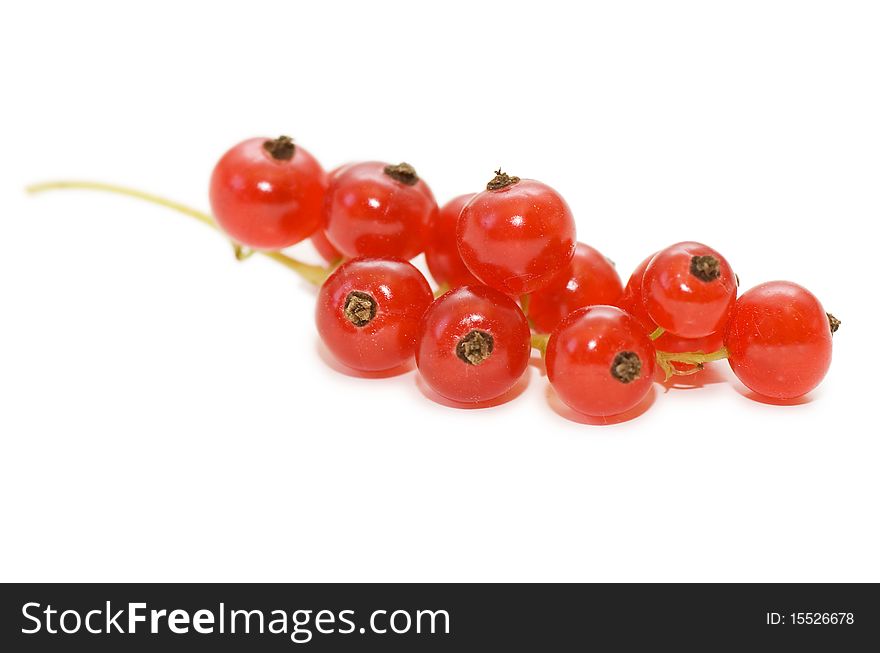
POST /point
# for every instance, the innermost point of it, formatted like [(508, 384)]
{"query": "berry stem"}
[(442, 289), (656, 333), (315, 274), (120, 190), (695, 358), (524, 301), (539, 342), (241, 252)]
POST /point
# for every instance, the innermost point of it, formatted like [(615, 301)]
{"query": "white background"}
[(165, 413)]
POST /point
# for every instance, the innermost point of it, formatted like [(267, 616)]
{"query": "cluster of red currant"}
[(512, 277)]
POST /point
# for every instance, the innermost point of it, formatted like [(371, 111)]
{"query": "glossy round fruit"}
[(474, 344), (268, 194), (319, 239), (631, 299), (324, 247), (368, 312), (441, 252), (378, 210), (779, 340), (516, 235), (588, 279), (689, 289), (600, 361), (632, 303)]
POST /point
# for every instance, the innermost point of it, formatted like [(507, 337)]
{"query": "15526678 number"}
[(822, 618)]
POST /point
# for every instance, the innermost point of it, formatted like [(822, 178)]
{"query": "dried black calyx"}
[(501, 180), (360, 308), (281, 149), (626, 367), (475, 347), (402, 172), (833, 323), (705, 268)]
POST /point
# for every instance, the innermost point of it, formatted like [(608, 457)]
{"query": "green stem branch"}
[(696, 359), (539, 342), (315, 274), (442, 289)]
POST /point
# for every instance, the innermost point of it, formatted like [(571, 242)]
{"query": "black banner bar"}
[(437, 617)]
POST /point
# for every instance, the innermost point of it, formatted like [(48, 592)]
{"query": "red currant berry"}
[(779, 340), (632, 303), (689, 289), (268, 194), (589, 279), (600, 361), (474, 344), (368, 312), (377, 209), (516, 235), (319, 239), (631, 300), (441, 252), (324, 247)]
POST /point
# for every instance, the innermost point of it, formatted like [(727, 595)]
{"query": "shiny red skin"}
[(632, 303), (324, 247), (338, 169), (779, 340), (680, 302), (452, 317), (319, 239), (589, 279), (517, 238), (580, 354), (369, 213), (402, 295), (265, 203), (631, 300), (441, 252)]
